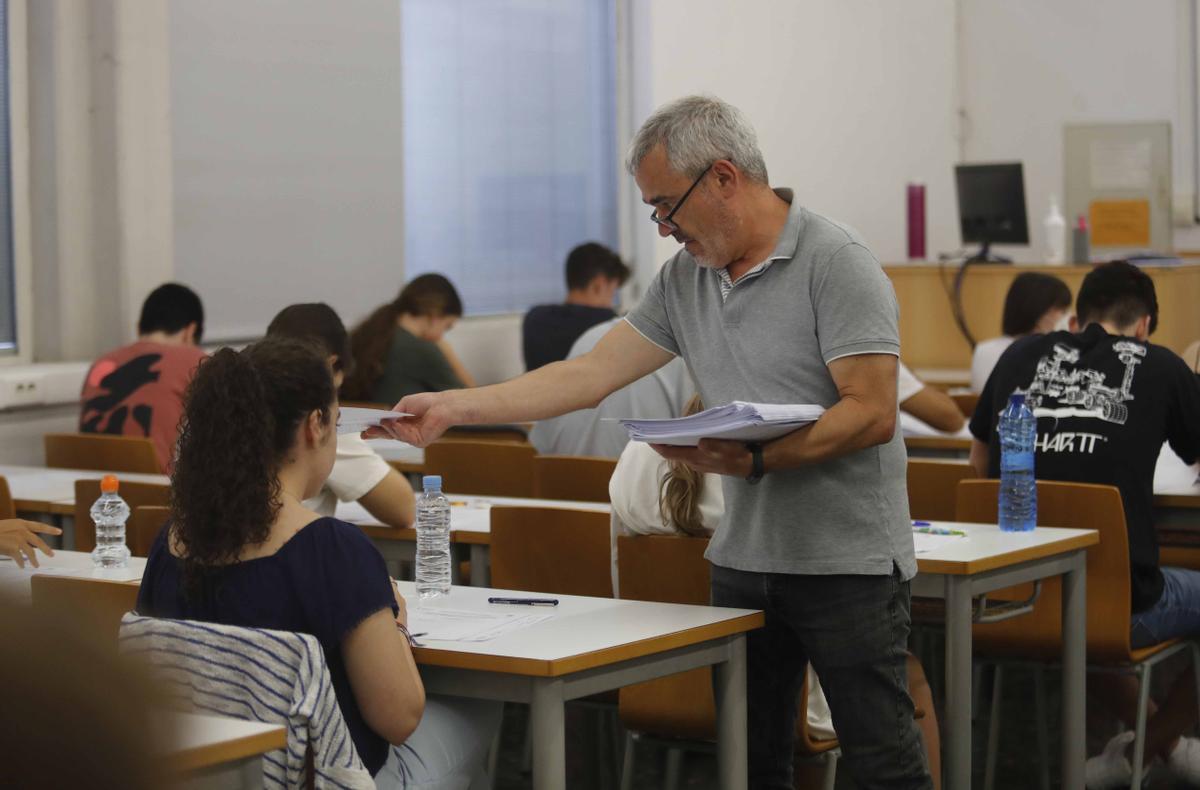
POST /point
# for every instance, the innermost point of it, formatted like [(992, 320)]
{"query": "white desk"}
[(986, 560), (14, 581), (470, 528), (215, 751), (591, 645)]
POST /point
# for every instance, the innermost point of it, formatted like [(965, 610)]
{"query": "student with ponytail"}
[(400, 348), (258, 437)]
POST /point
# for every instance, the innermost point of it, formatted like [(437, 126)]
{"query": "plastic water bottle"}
[(433, 539), (1018, 487), (109, 513)]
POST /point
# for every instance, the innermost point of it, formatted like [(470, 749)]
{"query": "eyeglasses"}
[(666, 221)]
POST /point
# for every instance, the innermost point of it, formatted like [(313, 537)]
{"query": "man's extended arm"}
[(621, 356), (864, 416)]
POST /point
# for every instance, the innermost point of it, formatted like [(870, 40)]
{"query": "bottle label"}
[(1016, 461)]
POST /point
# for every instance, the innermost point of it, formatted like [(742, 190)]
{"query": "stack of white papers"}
[(747, 422), (460, 625), (354, 419)]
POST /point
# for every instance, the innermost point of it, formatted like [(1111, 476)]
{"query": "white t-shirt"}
[(984, 359), (907, 384), (634, 491), (356, 470)]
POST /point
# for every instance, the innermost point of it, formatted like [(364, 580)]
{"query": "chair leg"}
[(1139, 735), (993, 738), (627, 762), (830, 777), (1039, 703), (674, 768)]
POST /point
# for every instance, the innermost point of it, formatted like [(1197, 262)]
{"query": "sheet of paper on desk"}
[(737, 420), (129, 574), (438, 624), (355, 419), (924, 541)]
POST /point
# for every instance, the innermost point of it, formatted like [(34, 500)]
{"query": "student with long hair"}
[(401, 349), (653, 496), (259, 437), (1035, 304)]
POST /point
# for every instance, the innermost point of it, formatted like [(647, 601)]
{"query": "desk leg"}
[(732, 740), (546, 728), (956, 744), (481, 568), (1074, 671)]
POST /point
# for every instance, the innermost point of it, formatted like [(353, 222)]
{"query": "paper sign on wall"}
[(1120, 223)]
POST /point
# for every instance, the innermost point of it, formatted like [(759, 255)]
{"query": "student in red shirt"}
[(137, 390)]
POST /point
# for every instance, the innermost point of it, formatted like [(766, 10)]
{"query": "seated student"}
[(594, 273), (19, 540), (400, 348), (358, 471), (137, 390), (1150, 395), (1035, 304), (663, 393), (653, 496), (928, 404), (258, 438)]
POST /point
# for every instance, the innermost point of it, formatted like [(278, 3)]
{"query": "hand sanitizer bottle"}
[(1056, 233)]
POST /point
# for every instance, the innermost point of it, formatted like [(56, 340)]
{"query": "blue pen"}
[(939, 531), (920, 523)]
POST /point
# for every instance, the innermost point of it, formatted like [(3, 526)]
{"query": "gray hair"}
[(696, 131)]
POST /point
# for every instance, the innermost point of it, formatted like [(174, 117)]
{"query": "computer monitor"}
[(991, 207)]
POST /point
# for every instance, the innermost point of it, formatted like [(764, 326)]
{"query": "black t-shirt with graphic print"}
[(1104, 406)]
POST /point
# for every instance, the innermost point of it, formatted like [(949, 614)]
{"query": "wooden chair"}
[(1037, 636), (101, 452), (100, 603), (143, 527), (572, 477), (672, 569), (136, 495), (548, 550), (933, 487), (7, 509), (966, 402), (506, 432), (487, 468)]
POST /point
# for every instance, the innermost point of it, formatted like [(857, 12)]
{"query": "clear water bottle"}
[(109, 514), (1018, 487), (433, 539)]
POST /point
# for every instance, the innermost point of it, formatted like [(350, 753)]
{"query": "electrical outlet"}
[(21, 390)]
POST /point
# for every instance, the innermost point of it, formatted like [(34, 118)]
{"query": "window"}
[(510, 153), (8, 306)]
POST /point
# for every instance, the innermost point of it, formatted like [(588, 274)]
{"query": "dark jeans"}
[(854, 630)]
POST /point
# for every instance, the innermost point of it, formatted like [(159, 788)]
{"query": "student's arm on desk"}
[(455, 363), (979, 458), (391, 501), (383, 675), (935, 408), (864, 416), (622, 356)]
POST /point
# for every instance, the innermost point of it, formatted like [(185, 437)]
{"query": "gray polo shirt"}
[(820, 296)]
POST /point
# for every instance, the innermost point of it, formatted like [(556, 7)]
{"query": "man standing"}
[(594, 273), (767, 302)]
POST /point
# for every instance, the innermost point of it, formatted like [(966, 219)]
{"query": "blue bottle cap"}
[(1016, 399), (433, 482)]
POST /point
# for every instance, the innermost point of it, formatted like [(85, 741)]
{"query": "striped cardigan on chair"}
[(278, 677)]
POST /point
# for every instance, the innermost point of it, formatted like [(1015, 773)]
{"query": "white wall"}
[(1031, 66), (287, 141), (851, 99)]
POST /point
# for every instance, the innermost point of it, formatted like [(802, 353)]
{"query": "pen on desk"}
[(920, 523), (939, 531), (526, 601)]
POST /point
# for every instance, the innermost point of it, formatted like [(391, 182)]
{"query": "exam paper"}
[(738, 420), (437, 624), (355, 419), (924, 542)]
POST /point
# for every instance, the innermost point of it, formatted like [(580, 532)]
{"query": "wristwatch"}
[(756, 462)]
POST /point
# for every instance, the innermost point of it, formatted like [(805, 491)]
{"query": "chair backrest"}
[(145, 522), (573, 477), (488, 468), (966, 402), (98, 602), (7, 510), (551, 550), (101, 452), (672, 569), (1039, 634), (135, 495), (503, 432), (933, 487)]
